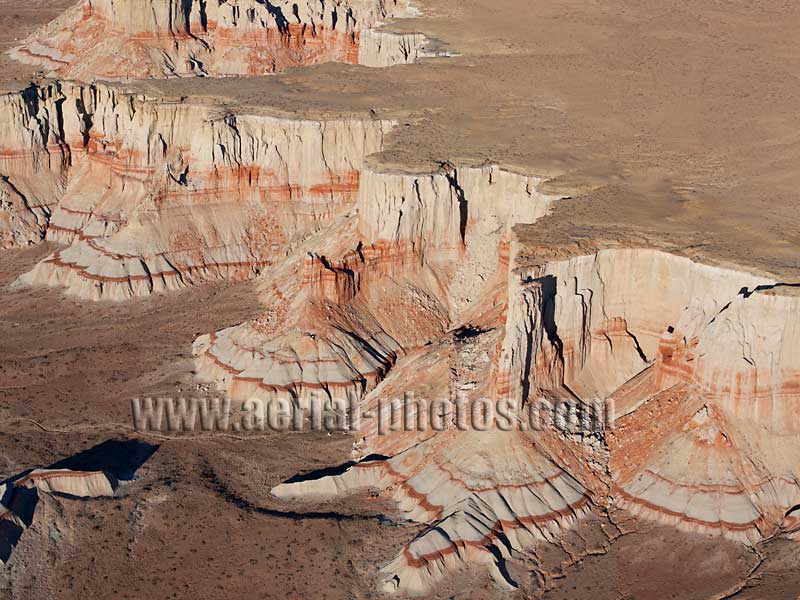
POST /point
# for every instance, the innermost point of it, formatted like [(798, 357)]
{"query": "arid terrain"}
[(537, 202)]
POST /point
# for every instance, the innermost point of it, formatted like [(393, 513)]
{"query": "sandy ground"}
[(668, 124), (17, 20)]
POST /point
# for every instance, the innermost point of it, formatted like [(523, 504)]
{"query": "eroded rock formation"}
[(153, 195), (19, 496), (696, 362), (376, 283), (125, 39), (422, 254)]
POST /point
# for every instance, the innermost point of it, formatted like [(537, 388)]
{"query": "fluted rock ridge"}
[(153, 195), (695, 360), (122, 39), (422, 254)]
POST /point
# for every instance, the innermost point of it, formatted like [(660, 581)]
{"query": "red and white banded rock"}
[(487, 491), (483, 493), (160, 195), (698, 360), (346, 322), (696, 479), (122, 39), (34, 162), (603, 315)]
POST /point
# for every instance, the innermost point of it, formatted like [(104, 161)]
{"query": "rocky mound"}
[(19, 496)]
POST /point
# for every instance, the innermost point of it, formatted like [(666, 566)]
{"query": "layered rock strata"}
[(154, 195), (34, 163), (432, 255), (123, 39), (697, 360), (422, 253), (375, 284)]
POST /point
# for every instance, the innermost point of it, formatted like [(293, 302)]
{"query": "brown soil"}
[(17, 20), (669, 124)]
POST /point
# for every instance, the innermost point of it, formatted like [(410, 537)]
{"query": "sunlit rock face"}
[(126, 39), (376, 283), (422, 254), (431, 255), (696, 362), (153, 195), (34, 164)]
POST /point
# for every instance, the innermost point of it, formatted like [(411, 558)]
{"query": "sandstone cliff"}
[(153, 195), (122, 39), (376, 282), (694, 359)]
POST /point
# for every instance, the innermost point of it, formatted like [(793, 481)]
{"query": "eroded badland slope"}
[(527, 202)]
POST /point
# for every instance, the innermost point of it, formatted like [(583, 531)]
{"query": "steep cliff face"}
[(423, 253), (121, 39), (418, 306), (154, 195), (34, 163), (696, 362), (377, 283)]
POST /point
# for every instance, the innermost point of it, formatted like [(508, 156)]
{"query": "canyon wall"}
[(421, 254), (34, 163), (154, 195), (699, 364), (432, 255), (122, 39), (375, 283)]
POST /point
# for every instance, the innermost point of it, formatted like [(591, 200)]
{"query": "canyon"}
[(357, 200)]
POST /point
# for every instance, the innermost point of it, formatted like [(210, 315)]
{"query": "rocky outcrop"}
[(422, 254), (155, 195), (122, 39), (484, 494), (695, 359), (34, 162), (378, 48), (377, 283), (19, 496), (431, 254)]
